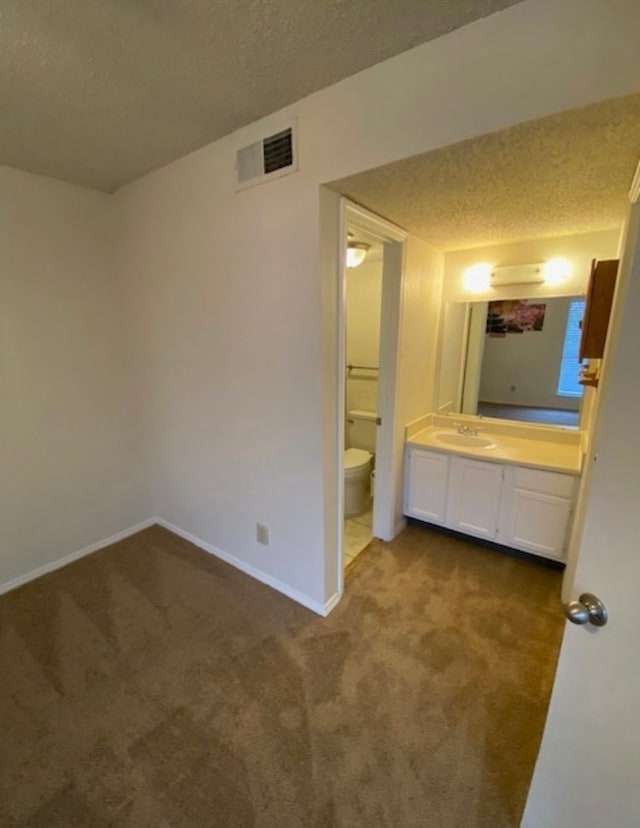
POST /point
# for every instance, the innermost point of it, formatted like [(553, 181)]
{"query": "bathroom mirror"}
[(512, 359)]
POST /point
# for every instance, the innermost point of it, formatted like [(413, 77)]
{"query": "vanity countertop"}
[(541, 449)]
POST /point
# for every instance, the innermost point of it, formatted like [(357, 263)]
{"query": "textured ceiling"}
[(99, 92), (568, 173)]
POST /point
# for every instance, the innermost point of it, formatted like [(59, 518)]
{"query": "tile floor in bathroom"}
[(357, 535)]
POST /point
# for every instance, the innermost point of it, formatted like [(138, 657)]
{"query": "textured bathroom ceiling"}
[(99, 92), (568, 173)]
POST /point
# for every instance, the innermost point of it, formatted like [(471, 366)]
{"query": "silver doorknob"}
[(588, 609)]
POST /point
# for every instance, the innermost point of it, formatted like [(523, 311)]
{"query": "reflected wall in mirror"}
[(512, 360)]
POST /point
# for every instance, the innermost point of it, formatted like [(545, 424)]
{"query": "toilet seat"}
[(356, 461)]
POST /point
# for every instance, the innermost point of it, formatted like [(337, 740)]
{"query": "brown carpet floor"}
[(151, 685)]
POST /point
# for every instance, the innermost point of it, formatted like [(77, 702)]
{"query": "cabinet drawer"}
[(551, 483)]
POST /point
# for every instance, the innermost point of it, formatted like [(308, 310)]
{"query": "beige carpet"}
[(150, 685)]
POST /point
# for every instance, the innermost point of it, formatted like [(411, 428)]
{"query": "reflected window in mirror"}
[(568, 379)]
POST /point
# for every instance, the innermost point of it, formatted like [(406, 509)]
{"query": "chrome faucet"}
[(469, 432)]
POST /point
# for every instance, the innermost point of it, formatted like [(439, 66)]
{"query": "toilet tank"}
[(361, 429)]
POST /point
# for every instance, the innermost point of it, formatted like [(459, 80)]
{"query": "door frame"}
[(392, 238)]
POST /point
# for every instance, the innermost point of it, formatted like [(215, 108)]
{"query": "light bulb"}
[(477, 277), (555, 271), (356, 252)]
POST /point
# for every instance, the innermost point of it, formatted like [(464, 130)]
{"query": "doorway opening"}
[(363, 305), (368, 321)]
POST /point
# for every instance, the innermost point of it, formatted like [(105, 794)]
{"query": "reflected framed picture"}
[(507, 316)]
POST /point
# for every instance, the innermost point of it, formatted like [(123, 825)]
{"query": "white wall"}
[(362, 308), (523, 369), (72, 468), (421, 302), (362, 321), (234, 294)]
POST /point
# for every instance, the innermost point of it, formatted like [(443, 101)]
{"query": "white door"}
[(588, 769), (476, 489)]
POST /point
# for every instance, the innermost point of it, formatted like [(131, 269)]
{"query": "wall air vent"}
[(271, 157), (278, 151)]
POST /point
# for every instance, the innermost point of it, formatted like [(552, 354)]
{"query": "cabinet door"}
[(536, 522), (427, 480), (474, 498), (602, 285)]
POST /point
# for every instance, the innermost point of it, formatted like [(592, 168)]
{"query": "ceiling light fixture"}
[(356, 252)]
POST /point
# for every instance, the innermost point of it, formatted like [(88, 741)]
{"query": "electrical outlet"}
[(262, 534)]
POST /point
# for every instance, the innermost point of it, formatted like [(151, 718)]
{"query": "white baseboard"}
[(315, 606), (74, 556), (332, 603), (254, 572)]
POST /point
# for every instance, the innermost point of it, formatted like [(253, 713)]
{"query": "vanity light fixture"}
[(481, 276), (356, 252)]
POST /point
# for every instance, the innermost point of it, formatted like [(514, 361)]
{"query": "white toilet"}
[(357, 474), (357, 462)]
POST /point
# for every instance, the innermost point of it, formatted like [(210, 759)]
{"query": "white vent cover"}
[(271, 157)]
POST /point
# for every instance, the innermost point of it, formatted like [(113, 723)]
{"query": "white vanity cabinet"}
[(517, 506), (426, 485), (536, 509), (474, 497)]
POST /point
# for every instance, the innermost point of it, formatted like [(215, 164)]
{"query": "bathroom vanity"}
[(510, 483)]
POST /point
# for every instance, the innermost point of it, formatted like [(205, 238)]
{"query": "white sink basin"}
[(453, 438)]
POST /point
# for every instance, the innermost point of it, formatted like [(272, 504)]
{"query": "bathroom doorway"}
[(369, 302), (363, 305)]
